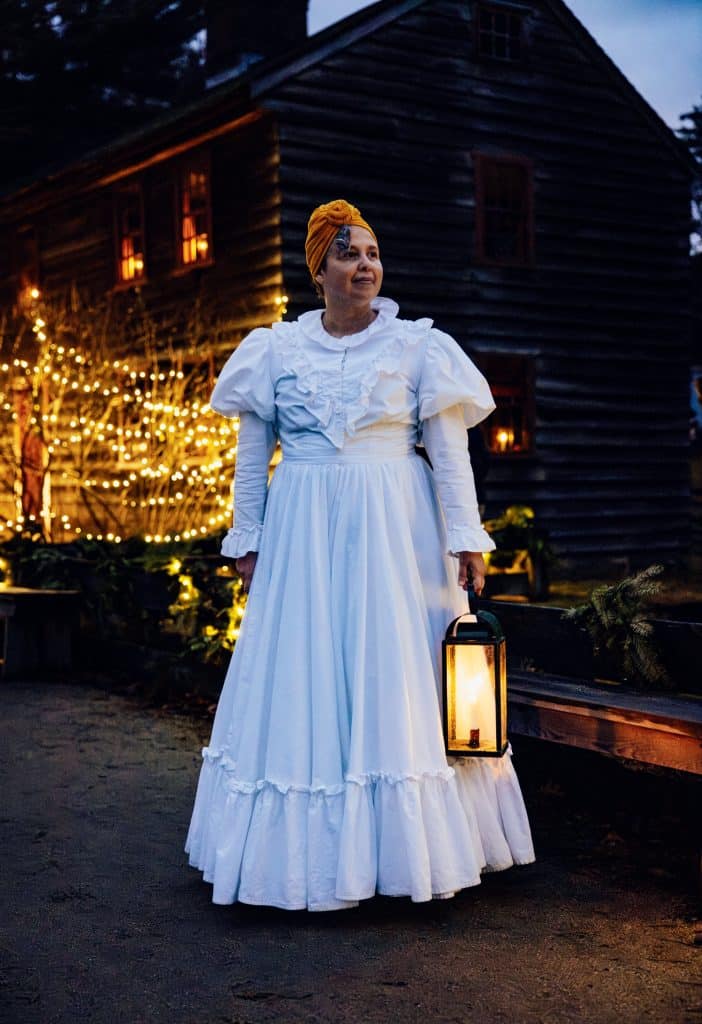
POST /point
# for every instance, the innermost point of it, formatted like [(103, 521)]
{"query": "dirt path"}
[(103, 921)]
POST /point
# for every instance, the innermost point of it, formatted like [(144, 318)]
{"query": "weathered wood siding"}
[(390, 123), (76, 241)]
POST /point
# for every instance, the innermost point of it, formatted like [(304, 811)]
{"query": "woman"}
[(325, 780)]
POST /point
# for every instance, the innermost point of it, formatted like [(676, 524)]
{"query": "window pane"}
[(509, 430), (499, 34), (195, 215), (505, 211), (130, 242)]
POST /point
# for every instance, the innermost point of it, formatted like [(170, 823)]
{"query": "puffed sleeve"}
[(246, 383), (449, 378)]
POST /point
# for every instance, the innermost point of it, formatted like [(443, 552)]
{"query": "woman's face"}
[(352, 269)]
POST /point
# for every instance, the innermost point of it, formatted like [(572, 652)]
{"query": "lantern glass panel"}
[(471, 706)]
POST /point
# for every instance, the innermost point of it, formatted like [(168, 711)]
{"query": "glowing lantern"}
[(475, 687)]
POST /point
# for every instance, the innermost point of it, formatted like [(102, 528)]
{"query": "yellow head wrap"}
[(323, 227)]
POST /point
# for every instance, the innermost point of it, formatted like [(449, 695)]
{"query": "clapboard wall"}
[(76, 239), (391, 123)]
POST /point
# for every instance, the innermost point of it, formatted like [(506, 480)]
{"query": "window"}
[(510, 428), (504, 217), (195, 236), (129, 235), (499, 33)]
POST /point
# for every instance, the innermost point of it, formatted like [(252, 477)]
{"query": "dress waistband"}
[(343, 457)]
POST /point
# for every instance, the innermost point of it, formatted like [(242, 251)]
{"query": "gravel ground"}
[(103, 921)]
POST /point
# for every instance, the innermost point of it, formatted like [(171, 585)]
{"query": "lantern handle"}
[(469, 616)]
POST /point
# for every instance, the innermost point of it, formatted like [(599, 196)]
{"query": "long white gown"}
[(325, 779)]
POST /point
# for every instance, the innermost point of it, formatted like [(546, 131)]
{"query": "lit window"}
[(129, 220), (195, 229), (510, 428), (504, 225), (499, 34)]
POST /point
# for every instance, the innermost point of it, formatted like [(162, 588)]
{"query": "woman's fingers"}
[(245, 567), (471, 571)]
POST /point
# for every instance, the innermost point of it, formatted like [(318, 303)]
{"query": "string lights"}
[(133, 446)]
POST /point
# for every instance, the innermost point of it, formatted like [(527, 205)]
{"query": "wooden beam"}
[(176, 150), (650, 729)]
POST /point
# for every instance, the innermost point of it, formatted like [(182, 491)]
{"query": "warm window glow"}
[(510, 429), (195, 216), (131, 264)]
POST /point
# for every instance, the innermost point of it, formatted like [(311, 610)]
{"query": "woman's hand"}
[(471, 571), (245, 567)]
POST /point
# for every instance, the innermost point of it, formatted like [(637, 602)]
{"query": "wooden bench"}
[(664, 730), (38, 630)]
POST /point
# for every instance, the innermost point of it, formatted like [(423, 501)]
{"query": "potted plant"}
[(523, 552)]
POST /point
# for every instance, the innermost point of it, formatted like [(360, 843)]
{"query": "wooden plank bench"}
[(38, 630), (664, 730)]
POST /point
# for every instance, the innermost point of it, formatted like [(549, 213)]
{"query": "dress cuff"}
[(469, 538), (239, 541)]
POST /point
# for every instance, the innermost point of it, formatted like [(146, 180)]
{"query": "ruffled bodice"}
[(300, 378)]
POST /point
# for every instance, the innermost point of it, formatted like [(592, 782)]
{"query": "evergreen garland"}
[(615, 618)]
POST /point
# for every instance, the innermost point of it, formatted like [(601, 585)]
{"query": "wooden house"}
[(524, 194)]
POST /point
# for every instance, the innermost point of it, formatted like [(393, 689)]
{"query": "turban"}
[(324, 226)]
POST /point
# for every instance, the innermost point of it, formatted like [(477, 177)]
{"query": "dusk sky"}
[(656, 43)]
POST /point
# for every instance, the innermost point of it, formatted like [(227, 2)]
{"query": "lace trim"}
[(335, 419), (218, 758)]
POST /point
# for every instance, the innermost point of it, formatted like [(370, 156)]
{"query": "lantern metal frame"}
[(478, 629)]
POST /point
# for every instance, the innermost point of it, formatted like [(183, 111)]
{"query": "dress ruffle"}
[(338, 420), (413, 331), (238, 541), (468, 538), (325, 848)]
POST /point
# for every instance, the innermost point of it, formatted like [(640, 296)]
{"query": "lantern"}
[(475, 687)]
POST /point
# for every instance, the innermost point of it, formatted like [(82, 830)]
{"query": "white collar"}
[(312, 326)]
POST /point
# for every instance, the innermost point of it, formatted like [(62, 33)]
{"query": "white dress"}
[(325, 780)]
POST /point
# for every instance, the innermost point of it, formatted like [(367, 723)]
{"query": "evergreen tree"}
[(691, 133), (76, 73)]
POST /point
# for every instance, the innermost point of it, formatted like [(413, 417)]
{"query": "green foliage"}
[(77, 73), (180, 596), (615, 618), (691, 134), (516, 529)]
